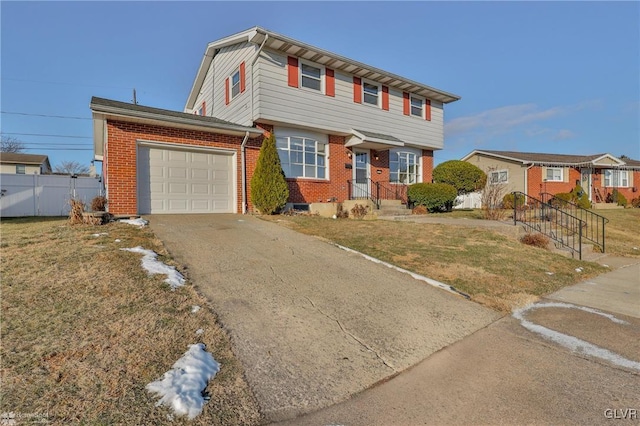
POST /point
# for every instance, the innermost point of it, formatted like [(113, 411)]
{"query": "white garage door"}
[(181, 181)]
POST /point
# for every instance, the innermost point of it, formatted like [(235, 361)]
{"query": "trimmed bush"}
[(508, 200), (434, 196), (580, 198), (269, 190), (463, 176), (617, 197), (561, 199)]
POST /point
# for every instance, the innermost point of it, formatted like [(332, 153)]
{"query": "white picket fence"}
[(472, 200), (44, 195)]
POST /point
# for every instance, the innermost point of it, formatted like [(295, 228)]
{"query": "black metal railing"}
[(594, 223), (376, 191), (563, 228)]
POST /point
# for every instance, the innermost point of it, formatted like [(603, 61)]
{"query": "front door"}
[(585, 181), (360, 174)]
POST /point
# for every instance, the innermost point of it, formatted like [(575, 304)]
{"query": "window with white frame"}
[(554, 174), (404, 167), (499, 176), (616, 178), (311, 77), (235, 84), (21, 169), (416, 106), (370, 93), (302, 157)]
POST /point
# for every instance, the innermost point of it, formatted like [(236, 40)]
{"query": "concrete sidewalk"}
[(506, 374)]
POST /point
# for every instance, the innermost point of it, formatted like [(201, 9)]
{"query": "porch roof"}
[(372, 140)]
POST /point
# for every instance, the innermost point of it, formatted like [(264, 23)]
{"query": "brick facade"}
[(120, 162)]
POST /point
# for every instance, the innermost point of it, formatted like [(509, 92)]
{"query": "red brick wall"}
[(427, 165), (536, 184), (120, 158)]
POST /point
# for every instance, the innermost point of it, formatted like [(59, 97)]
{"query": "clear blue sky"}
[(559, 77)]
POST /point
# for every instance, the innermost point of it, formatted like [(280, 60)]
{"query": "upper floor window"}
[(404, 167), (302, 157), (499, 176), (616, 178), (416, 106), (371, 93), (554, 174), (201, 110), (20, 169), (235, 84), (311, 77)]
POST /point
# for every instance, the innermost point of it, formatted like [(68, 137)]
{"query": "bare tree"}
[(71, 168), (11, 144), (492, 197)]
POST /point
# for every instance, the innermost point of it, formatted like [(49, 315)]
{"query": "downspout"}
[(526, 179), (243, 160), (243, 147)]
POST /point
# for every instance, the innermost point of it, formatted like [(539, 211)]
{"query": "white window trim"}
[(417, 153), (24, 169), (379, 86), (318, 141), (231, 85), (498, 172), (554, 180), (423, 108), (620, 180), (322, 76)]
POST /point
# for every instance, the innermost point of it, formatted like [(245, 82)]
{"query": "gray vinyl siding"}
[(276, 102), (225, 63), (206, 93)]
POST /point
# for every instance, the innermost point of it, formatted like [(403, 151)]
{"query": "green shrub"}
[(269, 190), (561, 199), (508, 200), (622, 200), (463, 176), (580, 198), (617, 197), (434, 196)]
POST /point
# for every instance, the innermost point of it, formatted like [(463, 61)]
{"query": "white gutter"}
[(244, 172)]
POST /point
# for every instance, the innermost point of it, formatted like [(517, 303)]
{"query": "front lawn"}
[(622, 233), (84, 329), (493, 269)]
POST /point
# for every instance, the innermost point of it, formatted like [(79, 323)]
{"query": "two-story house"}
[(344, 130)]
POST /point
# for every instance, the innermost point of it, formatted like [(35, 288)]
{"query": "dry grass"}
[(622, 233), (495, 270), (84, 329)]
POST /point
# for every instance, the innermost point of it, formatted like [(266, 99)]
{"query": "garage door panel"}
[(173, 181)]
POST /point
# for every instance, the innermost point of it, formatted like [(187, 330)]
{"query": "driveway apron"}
[(311, 323)]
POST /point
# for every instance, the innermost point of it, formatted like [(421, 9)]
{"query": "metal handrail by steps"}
[(595, 223), (377, 191), (562, 227)]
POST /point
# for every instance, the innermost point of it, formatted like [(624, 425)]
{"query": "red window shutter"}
[(226, 91), (292, 70), (357, 90), (330, 82), (242, 79), (385, 98), (204, 108), (427, 109), (407, 106)]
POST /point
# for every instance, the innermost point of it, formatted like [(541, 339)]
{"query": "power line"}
[(50, 136), (44, 115)]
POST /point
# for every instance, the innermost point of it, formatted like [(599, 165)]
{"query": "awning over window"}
[(371, 140)]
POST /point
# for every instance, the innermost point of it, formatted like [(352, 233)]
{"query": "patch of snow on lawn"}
[(117, 240), (194, 309), (199, 331), (138, 222), (99, 235), (151, 263), (181, 388)]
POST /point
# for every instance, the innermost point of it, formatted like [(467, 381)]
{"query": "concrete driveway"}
[(311, 323)]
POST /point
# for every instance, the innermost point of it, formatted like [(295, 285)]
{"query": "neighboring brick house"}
[(535, 173), (342, 128), (24, 164)]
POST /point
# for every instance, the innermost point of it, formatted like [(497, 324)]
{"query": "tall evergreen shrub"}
[(269, 190)]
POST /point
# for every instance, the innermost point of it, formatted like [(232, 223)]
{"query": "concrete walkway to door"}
[(311, 323)]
